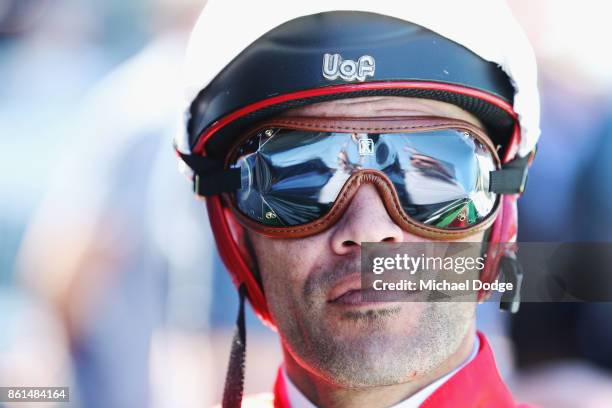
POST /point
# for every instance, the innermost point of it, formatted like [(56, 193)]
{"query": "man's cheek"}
[(280, 272)]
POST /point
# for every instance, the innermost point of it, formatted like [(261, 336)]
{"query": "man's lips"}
[(348, 291), (349, 283)]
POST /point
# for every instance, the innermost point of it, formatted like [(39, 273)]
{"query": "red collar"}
[(477, 385)]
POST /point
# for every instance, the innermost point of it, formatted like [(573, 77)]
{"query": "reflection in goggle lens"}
[(292, 177)]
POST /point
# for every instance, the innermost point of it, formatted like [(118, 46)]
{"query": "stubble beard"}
[(377, 355)]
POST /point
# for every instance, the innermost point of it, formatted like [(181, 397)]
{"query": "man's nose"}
[(365, 220)]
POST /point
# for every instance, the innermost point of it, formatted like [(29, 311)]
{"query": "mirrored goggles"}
[(298, 175)]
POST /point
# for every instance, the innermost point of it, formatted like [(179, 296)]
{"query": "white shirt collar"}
[(298, 400)]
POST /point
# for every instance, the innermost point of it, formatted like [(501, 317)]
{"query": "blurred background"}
[(109, 281)]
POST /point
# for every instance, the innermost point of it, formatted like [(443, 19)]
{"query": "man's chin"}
[(358, 354), (396, 318)]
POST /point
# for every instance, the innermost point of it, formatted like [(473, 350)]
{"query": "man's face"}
[(345, 342)]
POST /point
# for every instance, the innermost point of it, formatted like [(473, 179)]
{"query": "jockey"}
[(315, 126)]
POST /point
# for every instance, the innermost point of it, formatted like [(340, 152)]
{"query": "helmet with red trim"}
[(250, 61)]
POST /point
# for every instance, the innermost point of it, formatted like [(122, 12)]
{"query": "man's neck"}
[(324, 394)]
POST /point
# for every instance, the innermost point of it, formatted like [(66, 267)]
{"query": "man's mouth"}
[(348, 287), (351, 297), (348, 291)]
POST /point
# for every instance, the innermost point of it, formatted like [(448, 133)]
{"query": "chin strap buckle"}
[(512, 272)]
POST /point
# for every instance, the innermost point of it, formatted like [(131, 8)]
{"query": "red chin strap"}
[(238, 262)]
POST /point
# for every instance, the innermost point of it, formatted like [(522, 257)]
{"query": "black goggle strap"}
[(234, 380), (210, 178), (512, 177)]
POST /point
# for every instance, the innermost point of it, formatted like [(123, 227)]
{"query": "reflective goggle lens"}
[(292, 177)]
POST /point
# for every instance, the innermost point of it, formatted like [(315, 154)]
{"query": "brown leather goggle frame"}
[(384, 186)]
